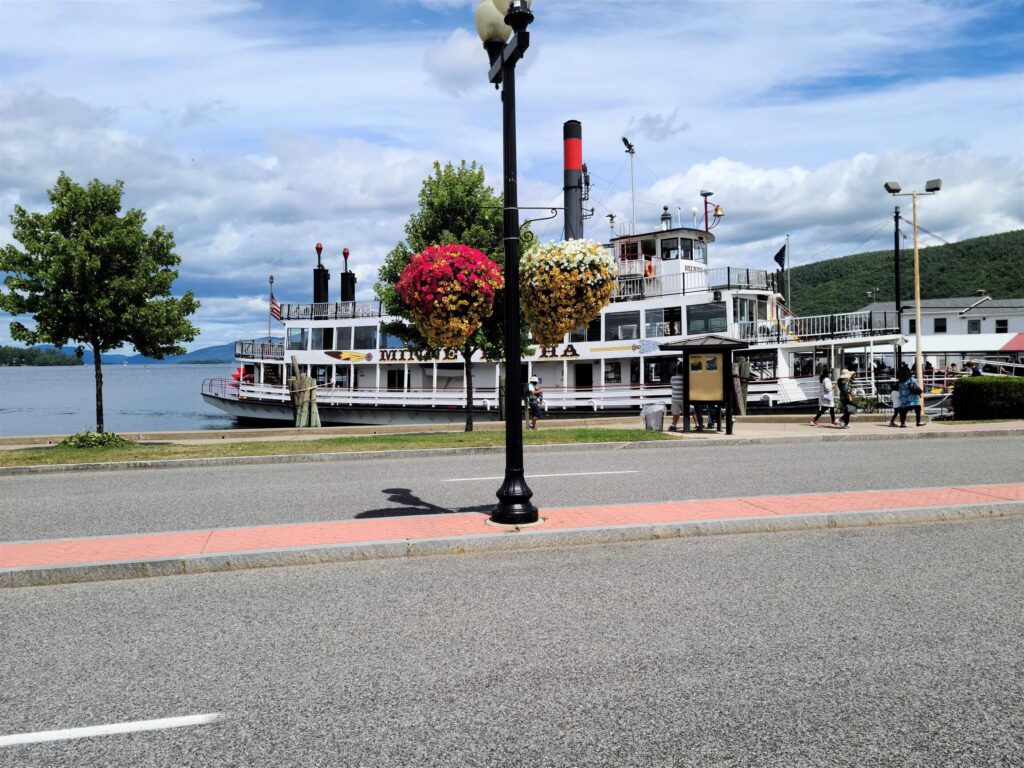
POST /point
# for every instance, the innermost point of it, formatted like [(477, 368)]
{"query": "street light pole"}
[(930, 188), (514, 506), (899, 292)]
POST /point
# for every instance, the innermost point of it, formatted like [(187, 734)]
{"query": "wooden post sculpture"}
[(302, 388)]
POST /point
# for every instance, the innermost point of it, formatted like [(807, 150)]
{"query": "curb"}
[(516, 540), (303, 458)]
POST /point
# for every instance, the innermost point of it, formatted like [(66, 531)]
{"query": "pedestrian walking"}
[(894, 396), (826, 397), (534, 400), (910, 397), (846, 397), (677, 382)]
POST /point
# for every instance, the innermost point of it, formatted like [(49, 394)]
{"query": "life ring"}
[(648, 269)]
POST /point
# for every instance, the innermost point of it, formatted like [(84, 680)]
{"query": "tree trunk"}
[(98, 364), (467, 358)]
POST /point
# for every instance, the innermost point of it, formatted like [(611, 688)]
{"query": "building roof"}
[(959, 304)]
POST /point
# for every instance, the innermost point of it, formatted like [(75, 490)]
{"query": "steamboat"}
[(667, 291)]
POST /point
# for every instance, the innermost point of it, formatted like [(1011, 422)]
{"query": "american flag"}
[(275, 308)]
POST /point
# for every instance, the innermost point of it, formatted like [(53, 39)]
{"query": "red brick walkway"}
[(105, 549)]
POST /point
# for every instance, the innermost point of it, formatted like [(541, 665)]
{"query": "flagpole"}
[(270, 307), (789, 285)]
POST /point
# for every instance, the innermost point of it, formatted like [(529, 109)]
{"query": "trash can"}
[(654, 417)]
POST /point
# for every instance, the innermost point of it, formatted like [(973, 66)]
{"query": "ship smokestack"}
[(572, 138), (321, 278), (348, 280)]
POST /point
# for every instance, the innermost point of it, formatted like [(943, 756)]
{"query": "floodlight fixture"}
[(893, 187), (933, 185)]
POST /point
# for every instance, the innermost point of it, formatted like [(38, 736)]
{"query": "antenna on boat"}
[(631, 151), (611, 225)]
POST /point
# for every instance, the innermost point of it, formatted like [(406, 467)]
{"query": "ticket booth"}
[(707, 373)]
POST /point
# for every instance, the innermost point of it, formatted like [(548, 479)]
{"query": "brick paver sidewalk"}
[(155, 546)]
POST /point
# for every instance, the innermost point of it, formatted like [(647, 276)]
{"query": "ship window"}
[(388, 341), (343, 338), (1003, 326), (621, 325), (298, 338), (686, 249), (974, 326), (613, 373), (365, 337), (322, 338), (272, 374), (706, 318), (700, 252), (940, 325), (629, 250), (649, 247), (591, 332), (667, 321), (396, 378), (670, 249)]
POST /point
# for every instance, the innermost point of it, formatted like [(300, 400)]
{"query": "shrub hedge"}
[(94, 440), (989, 397)]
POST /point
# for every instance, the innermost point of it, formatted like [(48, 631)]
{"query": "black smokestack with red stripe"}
[(572, 137)]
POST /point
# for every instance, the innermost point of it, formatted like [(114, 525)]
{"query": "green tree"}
[(455, 207), (93, 277)]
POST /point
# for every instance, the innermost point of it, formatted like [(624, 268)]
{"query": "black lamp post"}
[(496, 20)]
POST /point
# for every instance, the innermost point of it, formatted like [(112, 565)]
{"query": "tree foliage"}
[(33, 356), (455, 207), (90, 276), (992, 263)]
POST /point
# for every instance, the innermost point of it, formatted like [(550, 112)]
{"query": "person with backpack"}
[(846, 396), (826, 398), (910, 396)]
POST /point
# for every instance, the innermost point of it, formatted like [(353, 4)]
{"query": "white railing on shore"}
[(555, 398)]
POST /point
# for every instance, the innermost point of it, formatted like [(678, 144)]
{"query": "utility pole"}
[(899, 294)]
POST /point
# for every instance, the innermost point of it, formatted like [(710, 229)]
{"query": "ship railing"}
[(338, 310), (596, 398), (259, 350), (817, 327), (630, 287)]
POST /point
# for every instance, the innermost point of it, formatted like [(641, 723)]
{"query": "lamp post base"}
[(514, 507)]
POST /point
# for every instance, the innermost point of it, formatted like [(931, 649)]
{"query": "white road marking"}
[(107, 730), (559, 474)]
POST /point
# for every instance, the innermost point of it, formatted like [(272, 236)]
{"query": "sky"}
[(254, 130)]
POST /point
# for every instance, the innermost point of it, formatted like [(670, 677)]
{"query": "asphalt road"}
[(896, 646), (86, 503)]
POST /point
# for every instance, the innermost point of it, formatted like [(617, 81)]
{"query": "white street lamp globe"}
[(490, 23)]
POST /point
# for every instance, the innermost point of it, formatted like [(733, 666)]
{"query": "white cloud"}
[(456, 64)]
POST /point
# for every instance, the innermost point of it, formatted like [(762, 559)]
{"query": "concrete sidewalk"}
[(60, 561)]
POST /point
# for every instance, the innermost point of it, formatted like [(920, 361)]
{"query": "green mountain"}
[(994, 263)]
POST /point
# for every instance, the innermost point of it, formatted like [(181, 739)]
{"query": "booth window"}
[(622, 325)]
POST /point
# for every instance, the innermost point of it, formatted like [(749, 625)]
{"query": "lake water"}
[(62, 400)]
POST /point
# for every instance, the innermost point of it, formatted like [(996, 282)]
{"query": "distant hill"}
[(222, 353), (994, 263)]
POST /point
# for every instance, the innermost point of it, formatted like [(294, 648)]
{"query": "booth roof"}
[(706, 341)]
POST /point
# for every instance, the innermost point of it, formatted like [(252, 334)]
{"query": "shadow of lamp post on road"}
[(496, 21)]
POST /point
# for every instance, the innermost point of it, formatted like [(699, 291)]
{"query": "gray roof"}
[(706, 341), (955, 303)]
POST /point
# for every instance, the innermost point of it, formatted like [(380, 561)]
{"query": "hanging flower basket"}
[(449, 290), (564, 286)]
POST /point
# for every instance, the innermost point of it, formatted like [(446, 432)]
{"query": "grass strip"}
[(256, 447)]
